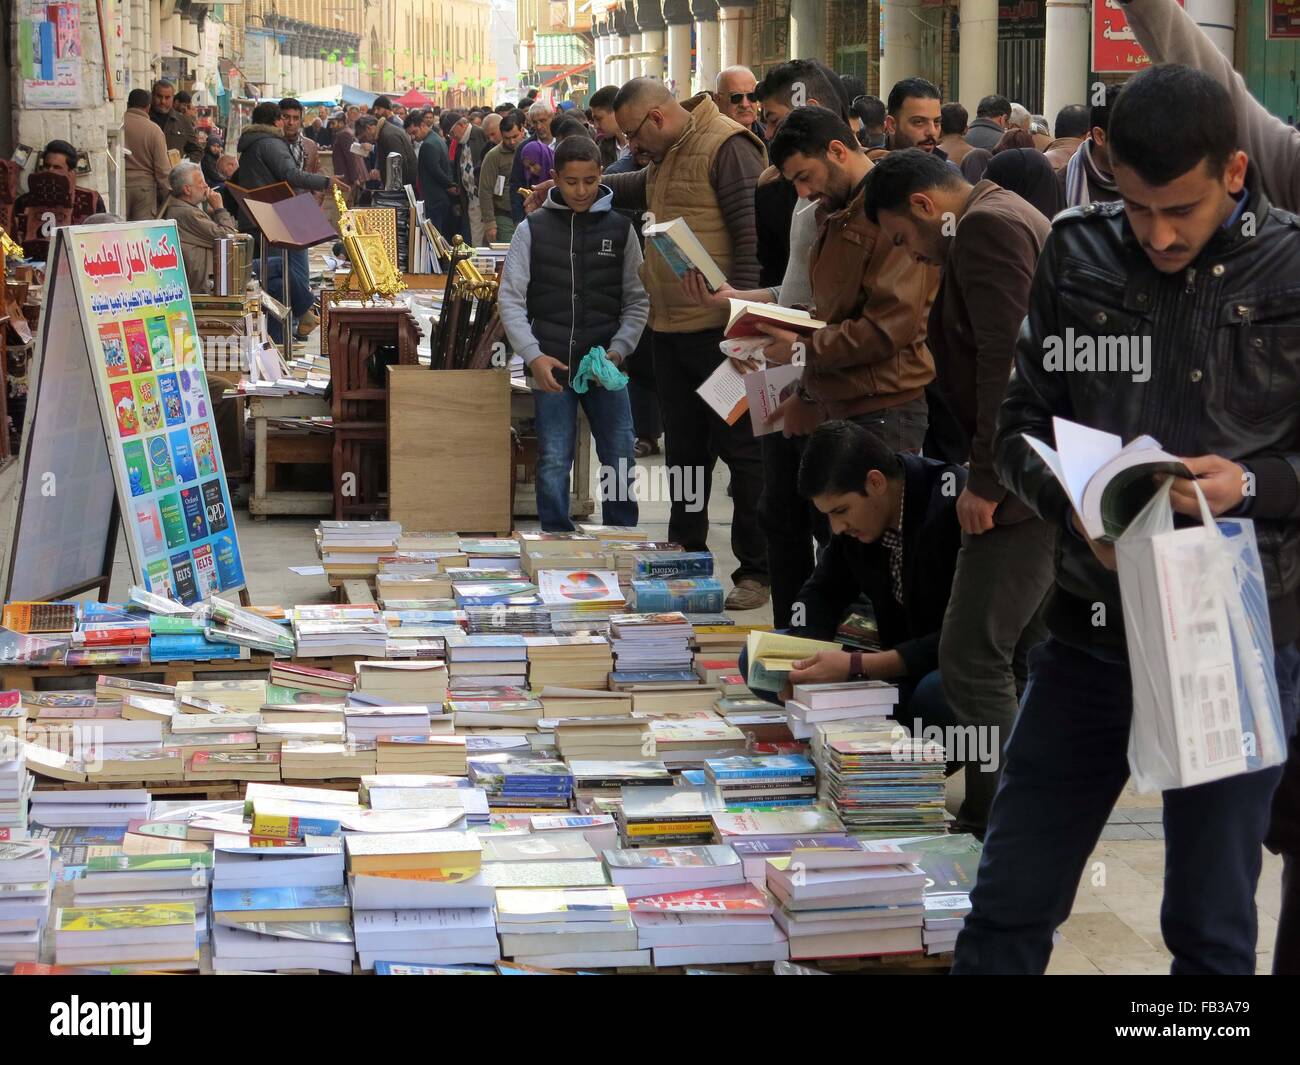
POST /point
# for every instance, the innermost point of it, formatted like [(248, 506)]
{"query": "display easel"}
[(120, 422)]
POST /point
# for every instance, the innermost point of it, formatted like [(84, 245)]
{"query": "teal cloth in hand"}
[(595, 366)]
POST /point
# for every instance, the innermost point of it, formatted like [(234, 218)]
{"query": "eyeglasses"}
[(632, 136), (736, 97)]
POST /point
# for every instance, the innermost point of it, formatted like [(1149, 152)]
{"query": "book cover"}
[(205, 571), (183, 576), (114, 348), (191, 382), (185, 470), (204, 453), (123, 400), (112, 918), (160, 463), (160, 342), (196, 524), (214, 507), (699, 595), (159, 577), (231, 900), (173, 519), (150, 528), (146, 398), (185, 347), (137, 468), (731, 899), (173, 406), (230, 570), (137, 346)]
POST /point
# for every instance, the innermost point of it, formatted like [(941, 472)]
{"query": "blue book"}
[(189, 647), (739, 768), (654, 676), (696, 778), (99, 613), (407, 968), (253, 900), (701, 595), (670, 565)]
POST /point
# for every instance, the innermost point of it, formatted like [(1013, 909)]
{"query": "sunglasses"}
[(736, 97)]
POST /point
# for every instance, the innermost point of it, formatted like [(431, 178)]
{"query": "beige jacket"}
[(148, 160), (198, 228)]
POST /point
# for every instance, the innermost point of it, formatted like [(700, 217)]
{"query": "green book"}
[(164, 625), (149, 863)]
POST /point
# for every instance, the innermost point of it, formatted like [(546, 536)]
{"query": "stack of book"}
[(158, 937), (692, 595), (492, 552), (481, 594), (770, 780), (439, 755), (495, 708), (325, 630), (718, 634), (365, 724), (430, 802), (571, 550), (560, 703), (709, 925), (142, 879), (486, 662), (26, 872), (568, 661), (309, 679), (15, 787), (419, 897), (664, 870), (110, 634), (262, 765), (950, 864), (351, 549), (403, 682), (887, 789), (606, 779), (626, 552), (580, 600), (691, 742), (326, 761), (532, 619), (651, 642), (657, 817), (839, 902), (604, 739), (599, 830), (568, 927), (105, 807), (739, 826), (814, 704), (670, 565), (523, 783), (754, 852), (245, 695), (250, 630), (271, 737), (182, 638)]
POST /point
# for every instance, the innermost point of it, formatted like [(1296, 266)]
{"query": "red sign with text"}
[(1114, 48)]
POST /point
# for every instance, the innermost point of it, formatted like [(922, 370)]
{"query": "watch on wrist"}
[(856, 670)]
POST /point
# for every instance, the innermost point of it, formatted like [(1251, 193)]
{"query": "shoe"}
[(307, 325), (748, 594), (645, 448)]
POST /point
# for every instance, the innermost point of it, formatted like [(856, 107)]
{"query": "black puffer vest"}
[(575, 287)]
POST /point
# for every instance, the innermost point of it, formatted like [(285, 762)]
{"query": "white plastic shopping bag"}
[(1205, 697)]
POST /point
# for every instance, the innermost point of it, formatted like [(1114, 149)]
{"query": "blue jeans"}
[(300, 297), (1066, 764), (610, 415)]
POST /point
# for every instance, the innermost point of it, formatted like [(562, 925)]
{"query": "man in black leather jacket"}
[(1196, 268)]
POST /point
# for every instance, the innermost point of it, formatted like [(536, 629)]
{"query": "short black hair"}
[(870, 111), (838, 457), (363, 123), (182, 97), (414, 118), (266, 114), (63, 148), (567, 126), (137, 98), (993, 106), (289, 103), (911, 89), (899, 174), (819, 83), (513, 119), (163, 83), (1099, 114), (853, 85), (809, 131), (953, 118), (525, 103), (1071, 121), (382, 101), (603, 98), (1170, 119), (503, 109), (576, 149), (448, 121)]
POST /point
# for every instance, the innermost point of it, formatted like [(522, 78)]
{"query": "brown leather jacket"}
[(875, 299), (1059, 151)]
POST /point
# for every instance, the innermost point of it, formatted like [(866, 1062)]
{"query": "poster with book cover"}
[(120, 364)]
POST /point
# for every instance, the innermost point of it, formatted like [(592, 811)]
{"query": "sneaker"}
[(307, 325), (748, 594)]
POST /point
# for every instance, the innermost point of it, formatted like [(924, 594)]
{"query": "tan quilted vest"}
[(679, 187)]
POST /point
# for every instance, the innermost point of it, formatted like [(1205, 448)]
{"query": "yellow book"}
[(762, 647), (679, 828), (106, 918)]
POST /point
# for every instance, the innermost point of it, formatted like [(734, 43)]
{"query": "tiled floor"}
[(1115, 924)]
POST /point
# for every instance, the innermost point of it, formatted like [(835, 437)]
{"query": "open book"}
[(745, 316), (772, 655), (683, 251), (1108, 481)]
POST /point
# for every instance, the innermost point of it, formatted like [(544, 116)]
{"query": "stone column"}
[(902, 55), (979, 51), (707, 44), (808, 29), (1067, 59), (677, 15)]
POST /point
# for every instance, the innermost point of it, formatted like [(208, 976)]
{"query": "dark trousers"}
[(1065, 766), (642, 392), (694, 439), (791, 523), (993, 619)]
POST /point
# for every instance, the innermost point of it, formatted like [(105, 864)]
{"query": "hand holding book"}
[(1222, 482)]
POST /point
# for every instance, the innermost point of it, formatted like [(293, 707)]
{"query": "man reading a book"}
[(987, 241), (894, 541), (1194, 261)]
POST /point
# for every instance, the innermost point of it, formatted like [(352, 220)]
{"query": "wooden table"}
[(271, 448), (582, 503)]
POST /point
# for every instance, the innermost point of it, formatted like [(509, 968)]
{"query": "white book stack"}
[(95, 809), (419, 897), (814, 704), (15, 787), (26, 869), (147, 880), (134, 938), (568, 928), (849, 901), (278, 946), (365, 724)]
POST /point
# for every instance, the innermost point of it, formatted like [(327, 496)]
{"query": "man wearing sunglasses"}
[(737, 98)]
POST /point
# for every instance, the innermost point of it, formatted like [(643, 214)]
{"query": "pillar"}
[(622, 67), (1218, 18), (679, 59), (1066, 62), (707, 45), (652, 66), (807, 29), (733, 27), (902, 55), (978, 52)]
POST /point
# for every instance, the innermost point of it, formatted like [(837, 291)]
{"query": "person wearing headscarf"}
[(538, 159), (1027, 172), (974, 164)]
